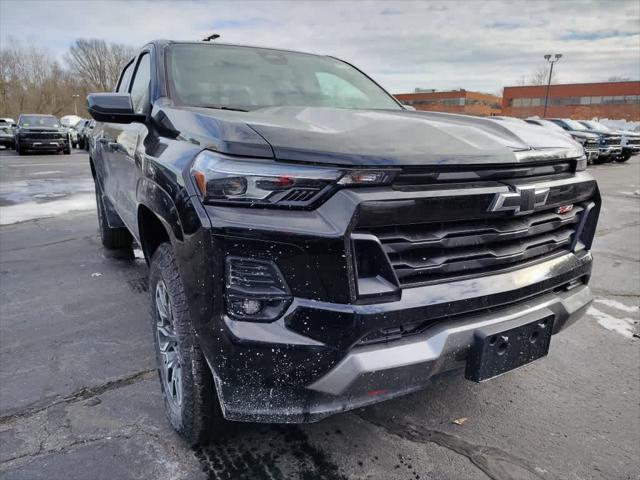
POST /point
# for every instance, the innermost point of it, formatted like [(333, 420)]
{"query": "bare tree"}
[(540, 76), (616, 78), (97, 62), (31, 81)]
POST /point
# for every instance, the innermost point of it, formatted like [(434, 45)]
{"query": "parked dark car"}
[(629, 141), (589, 141), (7, 132), (81, 128), (88, 135), (41, 132), (609, 143), (314, 247)]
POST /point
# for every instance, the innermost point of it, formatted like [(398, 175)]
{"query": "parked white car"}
[(7, 131)]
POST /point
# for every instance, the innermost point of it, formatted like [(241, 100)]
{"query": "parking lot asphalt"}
[(80, 399)]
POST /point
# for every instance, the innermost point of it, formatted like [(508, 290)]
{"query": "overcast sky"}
[(477, 45)]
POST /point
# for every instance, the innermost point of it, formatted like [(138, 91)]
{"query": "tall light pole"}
[(75, 105), (548, 58)]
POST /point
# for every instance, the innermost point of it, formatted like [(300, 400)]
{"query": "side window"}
[(126, 76), (140, 86)]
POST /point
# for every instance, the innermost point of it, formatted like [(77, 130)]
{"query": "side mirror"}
[(113, 108)]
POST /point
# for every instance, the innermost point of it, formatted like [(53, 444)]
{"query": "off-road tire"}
[(198, 417), (112, 238), (601, 160), (623, 157)]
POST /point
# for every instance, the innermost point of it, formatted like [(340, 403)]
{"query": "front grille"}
[(590, 145), (438, 251), (43, 136), (612, 141), (633, 141)]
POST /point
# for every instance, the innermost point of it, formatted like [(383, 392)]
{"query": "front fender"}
[(156, 199)]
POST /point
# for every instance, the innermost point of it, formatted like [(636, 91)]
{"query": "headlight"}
[(581, 164), (222, 179), (579, 139)]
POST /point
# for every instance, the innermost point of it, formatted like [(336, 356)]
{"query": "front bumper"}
[(632, 149), (609, 150), (27, 144), (591, 153), (411, 363), (303, 390), (339, 347)]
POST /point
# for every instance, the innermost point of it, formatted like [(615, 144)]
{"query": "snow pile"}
[(23, 212), (621, 324)]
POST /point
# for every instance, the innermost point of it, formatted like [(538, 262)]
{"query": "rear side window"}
[(126, 76), (140, 86)]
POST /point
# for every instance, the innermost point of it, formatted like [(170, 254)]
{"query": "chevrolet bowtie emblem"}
[(523, 200)]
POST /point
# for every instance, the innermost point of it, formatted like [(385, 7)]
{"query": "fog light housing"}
[(255, 290)]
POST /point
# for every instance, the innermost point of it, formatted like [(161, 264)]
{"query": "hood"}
[(365, 137), (604, 134), (583, 134), (628, 133)]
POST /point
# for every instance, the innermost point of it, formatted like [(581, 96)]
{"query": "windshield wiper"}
[(223, 107)]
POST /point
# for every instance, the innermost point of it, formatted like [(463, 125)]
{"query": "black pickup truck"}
[(314, 247)]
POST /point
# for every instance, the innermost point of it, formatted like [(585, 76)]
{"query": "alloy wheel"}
[(170, 368)]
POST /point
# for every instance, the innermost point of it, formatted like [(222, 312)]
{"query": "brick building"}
[(455, 101), (613, 100)]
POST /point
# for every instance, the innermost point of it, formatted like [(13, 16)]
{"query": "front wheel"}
[(187, 385), (623, 157), (113, 238)]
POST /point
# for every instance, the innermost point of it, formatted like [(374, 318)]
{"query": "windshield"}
[(39, 121), (547, 123), (246, 78), (573, 125), (596, 126)]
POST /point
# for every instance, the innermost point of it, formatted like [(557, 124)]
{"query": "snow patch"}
[(618, 305), (23, 212), (623, 326), (48, 172)]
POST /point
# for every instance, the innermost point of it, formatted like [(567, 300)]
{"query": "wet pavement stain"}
[(138, 285), (263, 452)]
